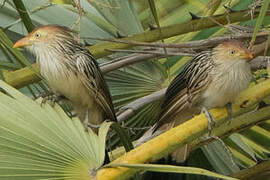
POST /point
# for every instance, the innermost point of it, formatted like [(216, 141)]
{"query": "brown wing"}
[(93, 80), (187, 87)]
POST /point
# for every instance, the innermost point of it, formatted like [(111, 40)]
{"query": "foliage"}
[(41, 142), (106, 19)]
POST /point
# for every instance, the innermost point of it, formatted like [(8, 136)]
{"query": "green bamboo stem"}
[(24, 15)]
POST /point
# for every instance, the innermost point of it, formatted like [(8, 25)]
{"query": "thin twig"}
[(156, 51), (144, 55), (3, 4), (127, 110), (78, 21), (122, 62), (42, 7), (206, 42), (104, 5)]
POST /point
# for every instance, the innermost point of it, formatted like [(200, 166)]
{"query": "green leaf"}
[(8, 44), (220, 158), (8, 65), (120, 13), (100, 22), (259, 21), (43, 142), (241, 146), (154, 11)]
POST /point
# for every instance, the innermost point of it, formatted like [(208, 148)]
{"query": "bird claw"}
[(53, 98), (211, 120)]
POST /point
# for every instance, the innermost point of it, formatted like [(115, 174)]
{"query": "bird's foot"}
[(53, 98), (210, 118), (229, 111)]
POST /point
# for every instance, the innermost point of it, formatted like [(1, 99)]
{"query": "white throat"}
[(228, 80)]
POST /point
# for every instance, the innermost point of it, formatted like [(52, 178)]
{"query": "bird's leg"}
[(210, 118), (229, 111), (85, 122)]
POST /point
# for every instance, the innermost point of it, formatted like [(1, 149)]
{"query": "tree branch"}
[(125, 61), (173, 30), (158, 51), (26, 76), (191, 44), (127, 110)]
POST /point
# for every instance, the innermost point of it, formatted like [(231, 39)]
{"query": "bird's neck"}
[(232, 69), (50, 62)]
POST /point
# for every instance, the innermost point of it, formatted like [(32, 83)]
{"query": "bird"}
[(211, 79), (71, 71)]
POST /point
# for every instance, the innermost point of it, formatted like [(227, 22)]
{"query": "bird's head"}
[(45, 35), (232, 51)]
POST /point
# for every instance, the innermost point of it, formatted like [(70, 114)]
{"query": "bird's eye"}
[(233, 52), (37, 35)]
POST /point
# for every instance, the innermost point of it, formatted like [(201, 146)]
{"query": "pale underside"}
[(65, 79)]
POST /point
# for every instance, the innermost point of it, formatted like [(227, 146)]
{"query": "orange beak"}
[(248, 55), (22, 43)]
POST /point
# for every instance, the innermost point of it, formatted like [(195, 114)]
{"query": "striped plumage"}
[(184, 90), (71, 71), (211, 79)]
